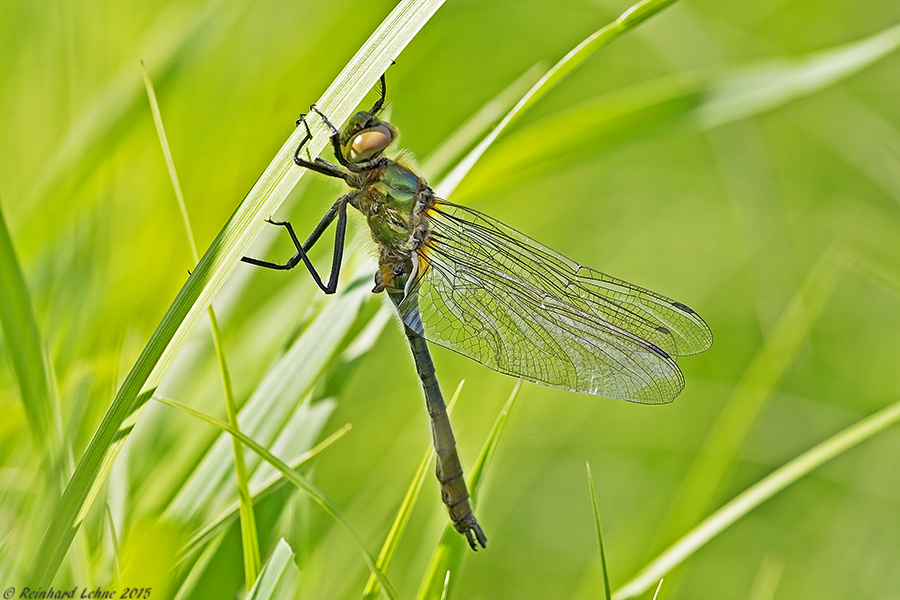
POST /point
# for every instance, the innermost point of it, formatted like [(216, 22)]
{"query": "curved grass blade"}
[(279, 576), (171, 40), (450, 549), (406, 507), (769, 85), (755, 495), (29, 358), (199, 566), (257, 492), (452, 148), (710, 467), (298, 480), (273, 405), (606, 591), (703, 99), (767, 577), (39, 394), (207, 279), (445, 592), (114, 538), (249, 535), (630, 19)]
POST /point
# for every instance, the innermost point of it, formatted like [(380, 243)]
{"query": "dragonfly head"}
[(365, 137)]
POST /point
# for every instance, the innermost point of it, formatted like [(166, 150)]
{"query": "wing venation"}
[(504, 300)]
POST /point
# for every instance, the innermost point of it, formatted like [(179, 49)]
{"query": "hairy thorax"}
[(394, 201)]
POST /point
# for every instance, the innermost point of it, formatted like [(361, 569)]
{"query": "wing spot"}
[(683, 307), (657, 350)]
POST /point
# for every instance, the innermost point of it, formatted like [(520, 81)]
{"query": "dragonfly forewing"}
[(501, 298)]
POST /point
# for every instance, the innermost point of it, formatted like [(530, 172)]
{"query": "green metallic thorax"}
[(392, 197), (393, 200), (388, 204)]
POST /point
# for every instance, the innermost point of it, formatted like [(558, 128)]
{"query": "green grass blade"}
[(490, 444), (258, 491), (701, 100), (445, 591), (710, 468), (298, 480), (450, 549), (273, 404), (114, 538), (452, 148), (756, 495), (199, 566), (249, 535), (210, 275), (170, 162), (279, 577), (406, 508), (630, 19), (766, 583), (30, 361), (770, 85), (174, 37), (606, 591)]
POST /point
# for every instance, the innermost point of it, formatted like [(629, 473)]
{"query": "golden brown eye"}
[(369, 143)]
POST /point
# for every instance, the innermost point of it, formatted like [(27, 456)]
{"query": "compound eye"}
[(369, 143)]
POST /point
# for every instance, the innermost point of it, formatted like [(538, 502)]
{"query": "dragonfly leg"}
[(339, 152), (448, 467), (318, 165), (335, 134), (379, 104), (336, 143), (339, 210)]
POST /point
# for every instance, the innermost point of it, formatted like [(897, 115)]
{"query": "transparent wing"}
[(504, 300)]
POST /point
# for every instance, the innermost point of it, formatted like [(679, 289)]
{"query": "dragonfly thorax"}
[(394, 205)]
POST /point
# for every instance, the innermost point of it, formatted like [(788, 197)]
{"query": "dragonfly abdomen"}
[(448, 468)]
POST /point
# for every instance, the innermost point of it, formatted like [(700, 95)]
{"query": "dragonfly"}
[(465, 281)]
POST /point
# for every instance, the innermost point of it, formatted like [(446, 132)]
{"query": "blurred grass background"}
[(729, 217)]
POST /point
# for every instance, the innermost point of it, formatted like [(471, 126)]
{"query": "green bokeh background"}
[(729, 219)]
